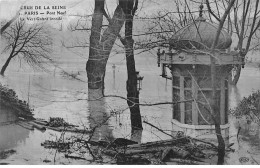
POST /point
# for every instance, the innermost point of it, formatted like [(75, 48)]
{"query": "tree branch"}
[(210, 11)]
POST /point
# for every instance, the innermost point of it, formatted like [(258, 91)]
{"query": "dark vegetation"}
[(9, 99), (249, 107), (6, 154), (57, 122), (180, 149), (33, 43)]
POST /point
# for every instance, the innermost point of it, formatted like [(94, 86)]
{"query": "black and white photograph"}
[(130, 82)]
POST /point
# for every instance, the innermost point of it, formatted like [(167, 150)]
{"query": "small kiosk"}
[(188, 59)]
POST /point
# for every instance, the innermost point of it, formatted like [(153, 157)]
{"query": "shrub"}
[(248, 105)]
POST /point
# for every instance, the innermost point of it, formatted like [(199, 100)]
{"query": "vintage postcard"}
[(130, 82)]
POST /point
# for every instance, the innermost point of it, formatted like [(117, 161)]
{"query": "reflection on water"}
[(136, 136), (55, 96), (6, 115), (98, 117), (10, 134)]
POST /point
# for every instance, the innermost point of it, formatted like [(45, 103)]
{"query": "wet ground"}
[(52, 95)]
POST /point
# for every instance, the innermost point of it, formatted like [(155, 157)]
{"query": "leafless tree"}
[(101, 43), (32, 42), (243, 22), (103, 35), (215, 109), (246, 29), (162, 26), (178, 20), (131, 84)]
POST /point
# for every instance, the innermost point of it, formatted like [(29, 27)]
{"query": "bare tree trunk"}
[(216, 113), (131, 84), (214, 102), (93, 72), (237, 75), (101, 46), (5, 66), (243, 33)]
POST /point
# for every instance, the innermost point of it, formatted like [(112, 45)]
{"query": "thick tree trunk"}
[(100, 48), (94, 76), (216, 113), (131, 84), (5, 66), (136, 135), (214, 101), (237, 75), (98, 118)]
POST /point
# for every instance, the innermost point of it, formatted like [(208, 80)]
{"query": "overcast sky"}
[(8, 8)]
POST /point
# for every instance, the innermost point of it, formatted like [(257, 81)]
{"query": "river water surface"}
[(53, 95)]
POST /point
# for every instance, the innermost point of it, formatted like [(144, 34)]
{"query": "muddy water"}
[(52, 95)]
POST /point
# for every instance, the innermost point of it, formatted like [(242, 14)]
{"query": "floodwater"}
[(52, 95)]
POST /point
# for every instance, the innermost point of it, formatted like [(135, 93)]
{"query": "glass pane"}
[(176, 107), (226, 83), (204, 115), (188, 107), (204, 96), (187, 82), (175, 94), (204, 82), (226, 106), (204, 107), (176, 81)]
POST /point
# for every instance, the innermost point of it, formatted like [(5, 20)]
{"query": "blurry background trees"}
[(245, 25), (30, 42)]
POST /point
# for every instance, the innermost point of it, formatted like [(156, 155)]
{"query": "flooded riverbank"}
[(53, 95)]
